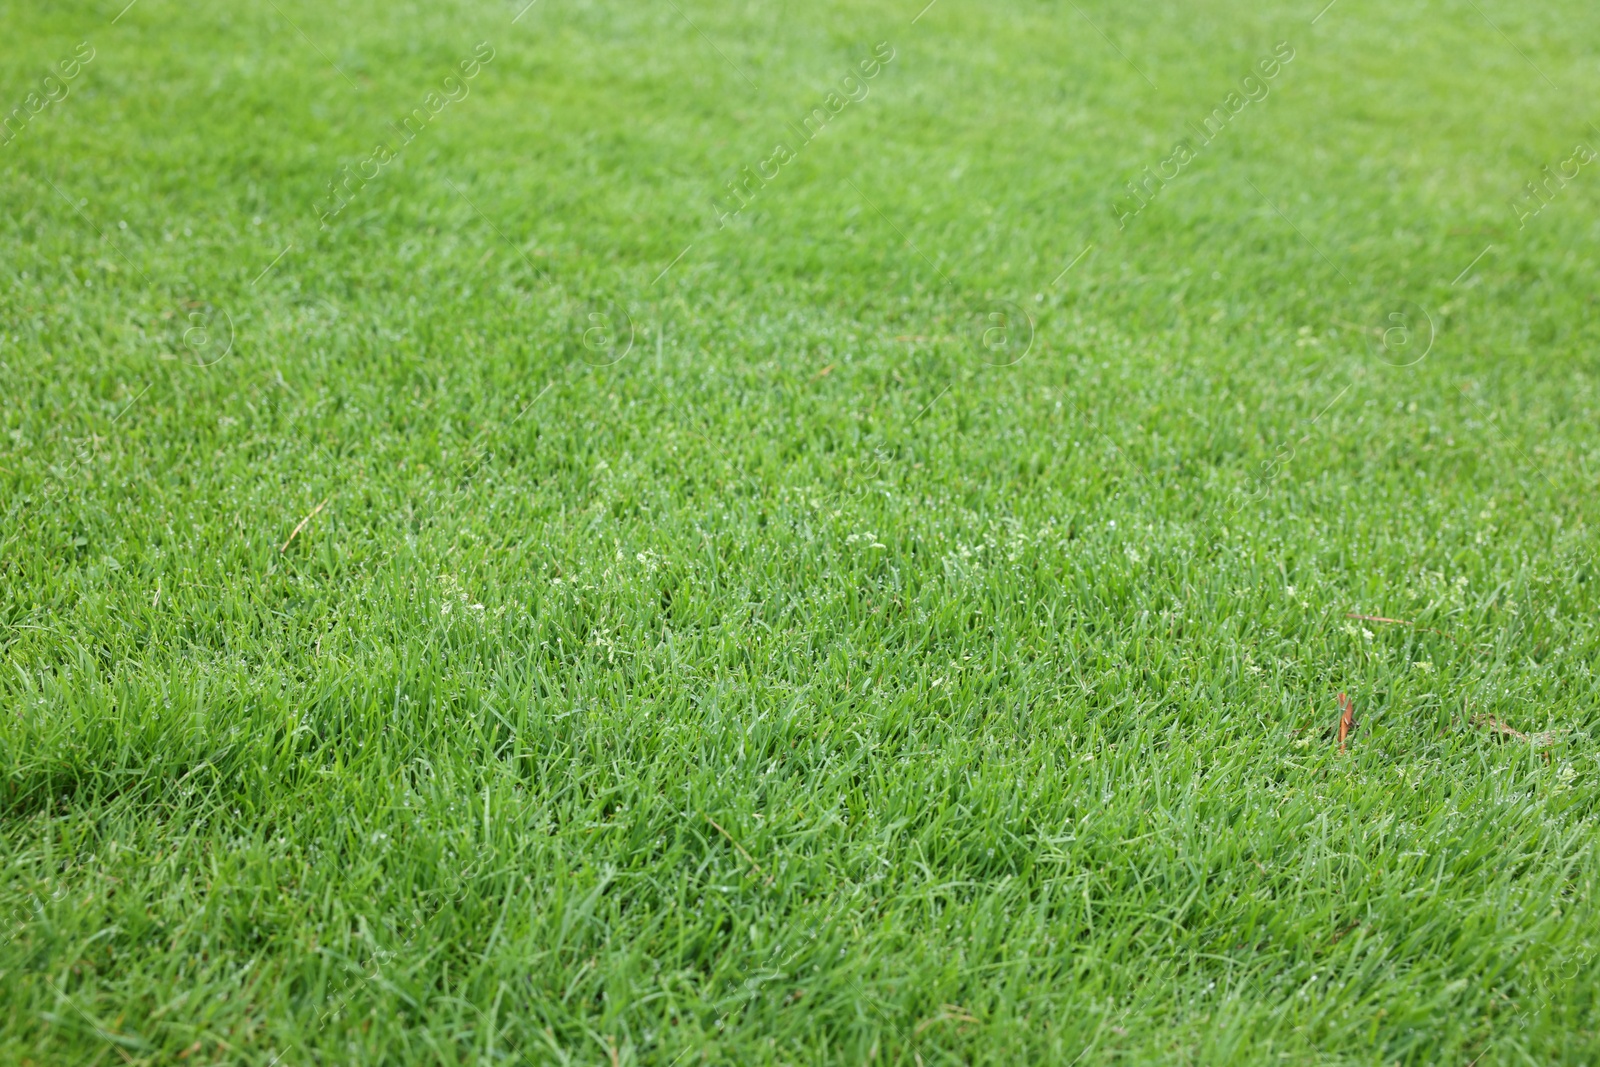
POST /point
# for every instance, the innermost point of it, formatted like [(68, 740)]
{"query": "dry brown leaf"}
[(1347, 719)]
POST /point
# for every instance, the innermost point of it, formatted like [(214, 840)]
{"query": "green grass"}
[(809, 681)]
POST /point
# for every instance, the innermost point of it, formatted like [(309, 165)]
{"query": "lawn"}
[(757, 533)]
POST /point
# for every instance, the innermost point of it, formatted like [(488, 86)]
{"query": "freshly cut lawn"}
[(476, 588)]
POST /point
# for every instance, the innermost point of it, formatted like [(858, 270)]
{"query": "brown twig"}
[(1347, 719), (1340, 935), (749, 858), (948, 1013), (1494, 725), (302, 525), (1402, 622)]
